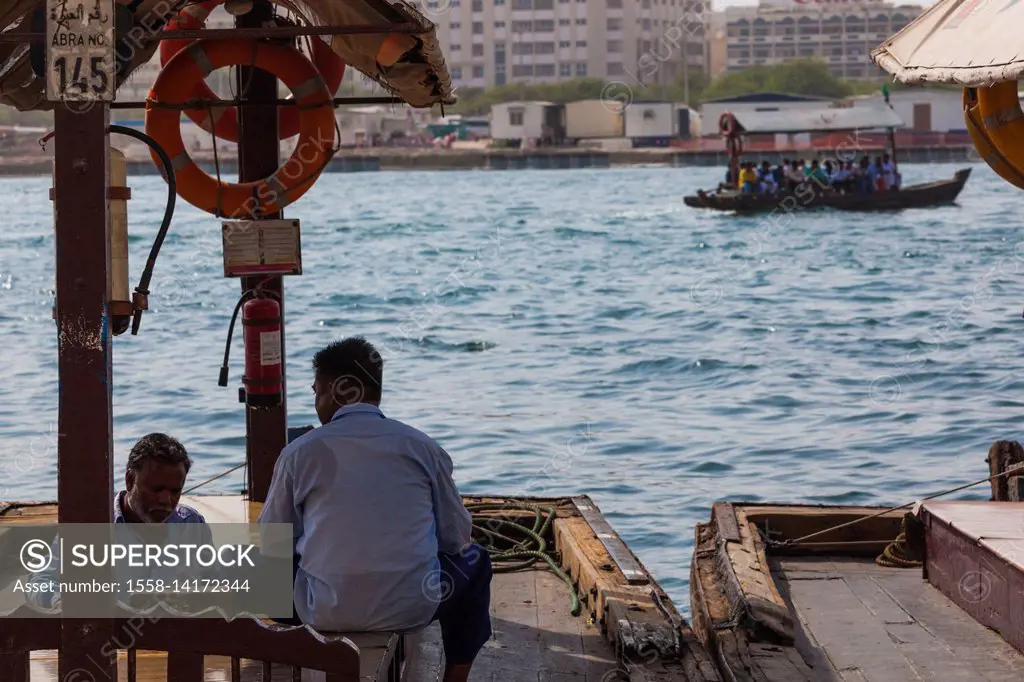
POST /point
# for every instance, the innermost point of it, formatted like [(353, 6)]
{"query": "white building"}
[(711, 111), (526, 121), (938, 110), (494, 42), (842, 32)]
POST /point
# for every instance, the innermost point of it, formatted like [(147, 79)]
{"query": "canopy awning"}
[(818, 120), (419, 77), (973, 43)]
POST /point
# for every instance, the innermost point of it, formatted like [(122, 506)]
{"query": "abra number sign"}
[(80, 50)]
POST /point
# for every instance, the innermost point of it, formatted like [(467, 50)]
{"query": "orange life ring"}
[(727, 124), (982, 140), (223, 121), (176, 85)]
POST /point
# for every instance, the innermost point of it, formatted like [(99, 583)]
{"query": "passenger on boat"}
[(879, 175), (767, 178), (157, 468), (868, 176), (382, 536), (892, 178), (795, 176), (748, 178), (779, 173)]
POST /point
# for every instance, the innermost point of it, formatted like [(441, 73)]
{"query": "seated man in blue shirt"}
[(154, 477), (382, 537)]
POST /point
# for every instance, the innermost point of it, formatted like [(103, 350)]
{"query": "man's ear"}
[(129, 479)]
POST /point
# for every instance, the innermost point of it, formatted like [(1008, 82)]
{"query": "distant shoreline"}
[(389, 159)]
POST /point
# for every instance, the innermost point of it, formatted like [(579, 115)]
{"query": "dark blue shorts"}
[(465, 608)]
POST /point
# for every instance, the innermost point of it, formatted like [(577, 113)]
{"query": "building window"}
[(581, 43), (614, 4), (455, 47), (515, 117), (564, 22), (478, 27), (455, 26), (522, 26), (615, 46), (581, 22), (478, 72), (565, 43), (581, 69), (615, 69), (522, 4), (478, 5), (499, 78), (565, 70), (615, 24), (544, 25), (499, 24), (545, 70), (456, 73), (522, 48), (522, 70), (478, 50)]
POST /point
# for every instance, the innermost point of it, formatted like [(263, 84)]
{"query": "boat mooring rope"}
[(801, 540), (511, 545)]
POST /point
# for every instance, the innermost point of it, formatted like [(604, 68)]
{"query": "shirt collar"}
[(356, 408)]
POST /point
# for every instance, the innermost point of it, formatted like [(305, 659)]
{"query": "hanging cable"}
[(141, 297)]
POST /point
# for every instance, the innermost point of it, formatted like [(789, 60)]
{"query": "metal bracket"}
[(617, 549)]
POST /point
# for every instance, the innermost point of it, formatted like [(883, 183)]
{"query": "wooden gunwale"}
[(645, 636)]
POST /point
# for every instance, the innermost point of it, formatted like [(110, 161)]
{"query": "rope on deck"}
[(902, 552), (508, 554)]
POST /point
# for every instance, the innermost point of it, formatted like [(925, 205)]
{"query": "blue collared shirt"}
[(182, 513), (372, 502)]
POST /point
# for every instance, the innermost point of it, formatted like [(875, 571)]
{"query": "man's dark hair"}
[(357, 361), (158, 447)]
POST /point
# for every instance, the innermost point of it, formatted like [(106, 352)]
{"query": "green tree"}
[(798, 77)]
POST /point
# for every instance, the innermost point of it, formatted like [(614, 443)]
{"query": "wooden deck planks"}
[(535, 637), (877, 624)]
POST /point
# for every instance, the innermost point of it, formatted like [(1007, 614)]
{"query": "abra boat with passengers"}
[(569, 600), (811, 194)]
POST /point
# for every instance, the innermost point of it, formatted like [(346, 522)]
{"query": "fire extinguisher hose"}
[(246, 295), (223, 381), (172, 193)]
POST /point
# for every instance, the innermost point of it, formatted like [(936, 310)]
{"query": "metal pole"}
[(259, 157), (85, 474)]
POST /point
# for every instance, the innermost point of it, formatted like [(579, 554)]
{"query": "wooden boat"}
[(627, 627), (946, 606), (939, 193), (811, 194)]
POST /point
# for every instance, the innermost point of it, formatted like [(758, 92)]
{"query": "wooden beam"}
[(85, 475), (259, 157)]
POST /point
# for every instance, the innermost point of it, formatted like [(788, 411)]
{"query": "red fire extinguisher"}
[(261, 335)]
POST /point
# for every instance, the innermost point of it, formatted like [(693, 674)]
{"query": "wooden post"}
[(85, 474), (259, 157)]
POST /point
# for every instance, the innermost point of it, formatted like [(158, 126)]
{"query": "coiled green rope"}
[(496, 533)]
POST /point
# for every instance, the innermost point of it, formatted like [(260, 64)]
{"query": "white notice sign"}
[(80, 50)]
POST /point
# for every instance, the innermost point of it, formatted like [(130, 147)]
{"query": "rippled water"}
[(580, 332)]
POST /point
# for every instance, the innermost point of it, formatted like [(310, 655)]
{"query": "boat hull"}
[(940, 193)]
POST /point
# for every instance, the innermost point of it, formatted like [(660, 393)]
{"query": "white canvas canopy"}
[(973, 43), (818, 120)]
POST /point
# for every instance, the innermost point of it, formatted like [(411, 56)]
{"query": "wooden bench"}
[(186, 650)]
